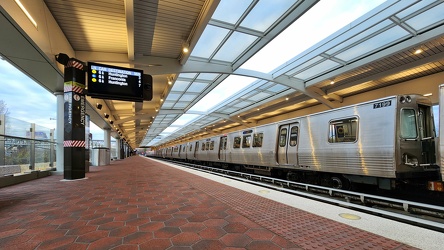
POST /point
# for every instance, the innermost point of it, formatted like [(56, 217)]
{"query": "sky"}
[(26, 100)]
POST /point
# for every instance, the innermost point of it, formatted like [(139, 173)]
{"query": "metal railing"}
[(28, 145)]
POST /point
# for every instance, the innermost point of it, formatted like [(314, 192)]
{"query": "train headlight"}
[(402, 99), (405, 99)]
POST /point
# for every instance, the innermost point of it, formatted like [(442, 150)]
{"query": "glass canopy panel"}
[(187, 97), (427, 18), (326, 17), (374, 43), (197, 87), (265, 13), (168, 104), (181, 105), (180, 86), (228, 110), (207, 76), (278, 88), (234, 46), (227, 88), (187, 75), (173, 97), (259, 96), (421, 4), (360, 36), (209, 41), (242, 104), (315, 60), (317, 69), (185, 119), (230, 10), (247, 95)]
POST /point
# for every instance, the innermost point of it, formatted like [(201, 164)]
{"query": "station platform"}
[(142, 203)]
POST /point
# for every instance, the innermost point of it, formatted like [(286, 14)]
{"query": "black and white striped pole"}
[(74, 117)]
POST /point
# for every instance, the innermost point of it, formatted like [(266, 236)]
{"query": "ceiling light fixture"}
[(22, 7), (428, 94), (418, 51), (186, 48)]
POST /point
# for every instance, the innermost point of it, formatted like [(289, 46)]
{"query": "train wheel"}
[(293, 176), (336, 182), (340, 183)]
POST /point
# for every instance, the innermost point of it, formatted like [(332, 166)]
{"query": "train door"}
[(196, 147), (287, 153), (427, 134), (222, 148)]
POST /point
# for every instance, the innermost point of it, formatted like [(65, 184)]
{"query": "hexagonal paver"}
[(156, 244), (212, 233), (192, 227), (123, 231), (260, 234), (166, 232), (176, 222), (137, 238), (208, 244), (198, 218), (185, 239), (81, 230), (235, 228), (263, 245), (215, 223), (152, 226), (92, 236), (137, 222), (235, 240), (161, 217)]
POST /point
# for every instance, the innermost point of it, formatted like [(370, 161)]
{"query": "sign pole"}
[(74, 120)]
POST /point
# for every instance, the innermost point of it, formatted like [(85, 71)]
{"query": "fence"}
[(28, 145)]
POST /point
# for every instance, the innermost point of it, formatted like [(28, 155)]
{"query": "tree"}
[(3, 108)]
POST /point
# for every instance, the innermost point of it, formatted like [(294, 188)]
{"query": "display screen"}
[(115, 83)]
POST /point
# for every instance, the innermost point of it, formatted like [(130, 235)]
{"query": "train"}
[(389, 143)]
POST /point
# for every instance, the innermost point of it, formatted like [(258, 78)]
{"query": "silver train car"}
[(387, 142)]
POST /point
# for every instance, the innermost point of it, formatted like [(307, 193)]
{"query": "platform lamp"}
[(62, 58)]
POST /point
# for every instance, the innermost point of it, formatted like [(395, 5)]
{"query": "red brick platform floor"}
[(138, 203)]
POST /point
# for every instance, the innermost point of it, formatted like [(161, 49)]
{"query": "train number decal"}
[(382, 104)]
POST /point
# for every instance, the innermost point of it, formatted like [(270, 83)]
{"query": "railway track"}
[(414, 213)]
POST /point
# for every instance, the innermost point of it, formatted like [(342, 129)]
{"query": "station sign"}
[(115, 83)]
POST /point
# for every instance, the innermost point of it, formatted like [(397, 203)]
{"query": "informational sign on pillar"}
[(74, 120)]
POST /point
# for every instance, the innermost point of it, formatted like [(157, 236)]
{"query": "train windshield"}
[(408, 124)]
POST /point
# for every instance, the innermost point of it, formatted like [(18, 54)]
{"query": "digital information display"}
[(116, 83)]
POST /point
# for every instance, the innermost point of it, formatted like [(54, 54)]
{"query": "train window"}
[(212, 145), (344, 130), (208, 145), (293, 136), (237, 141), (203, 146), (191, 147), (257, 140), (246, 142), (283, 137), (408, 124)]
